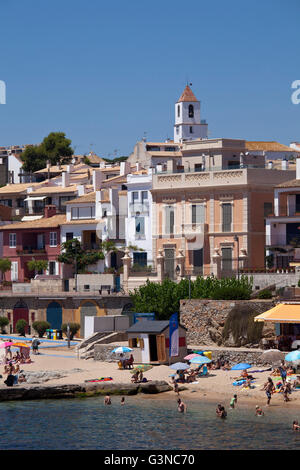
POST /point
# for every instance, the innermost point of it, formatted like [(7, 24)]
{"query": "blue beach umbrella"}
[(200, 360), (293, 356), (179, 366), (121, 350), (241, 366)]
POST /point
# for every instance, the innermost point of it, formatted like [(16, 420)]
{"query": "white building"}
[(139, 219), (188, 125)]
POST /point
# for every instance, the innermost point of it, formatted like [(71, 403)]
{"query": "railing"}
[(215, 168), (142, 207), (31, 251), (41, 210)]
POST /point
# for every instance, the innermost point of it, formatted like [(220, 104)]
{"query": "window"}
[(178, 110), (191, 129), (226, 217), (69, 236), (135, 196), (12, 240), (140, 259), (53, 238), (52, 267), (227, 260), (144, 196), (14, 270), (268, 208), (170, 218), (191, 111), (83, 212), (198, 214), (139, 227), (198, 166), (177, 130)]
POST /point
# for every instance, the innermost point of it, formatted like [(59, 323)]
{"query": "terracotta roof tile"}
[(187, 95), (44, 222), (271, 146)]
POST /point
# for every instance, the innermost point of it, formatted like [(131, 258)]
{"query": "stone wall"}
[(205, 319)]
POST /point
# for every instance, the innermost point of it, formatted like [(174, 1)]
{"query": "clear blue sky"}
[(106, 72)]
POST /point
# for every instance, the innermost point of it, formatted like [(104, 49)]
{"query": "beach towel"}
[(260, 370), (103, 379)]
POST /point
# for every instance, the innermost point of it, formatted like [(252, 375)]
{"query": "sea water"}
[(142, 423)]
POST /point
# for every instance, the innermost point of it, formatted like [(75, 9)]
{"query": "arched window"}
[(178, 111), (191, 111)]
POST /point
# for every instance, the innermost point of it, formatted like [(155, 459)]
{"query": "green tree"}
[(37, 265), (41, 327), (4, 321), (5, 265), (74, 328), (76, 255), (55, 147), (21, 326)]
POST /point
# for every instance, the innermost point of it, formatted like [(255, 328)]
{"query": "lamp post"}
[(74, 245), (236, 239)]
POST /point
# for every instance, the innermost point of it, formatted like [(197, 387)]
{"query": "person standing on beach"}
[(269, 388), (123, 401), (107, 400), (233, 401), (283, 372), (35, 345)]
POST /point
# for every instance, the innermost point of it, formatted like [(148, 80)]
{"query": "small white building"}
[(139, 220), (188, 124)]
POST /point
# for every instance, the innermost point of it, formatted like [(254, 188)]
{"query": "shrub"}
[(21, 326), (265, 294), (74, 328), (41, 327), (4, 321)]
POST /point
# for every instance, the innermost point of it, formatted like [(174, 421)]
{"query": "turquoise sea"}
[(143, 423)]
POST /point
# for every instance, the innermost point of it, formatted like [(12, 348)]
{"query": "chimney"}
[(125, 168), (50, 211), (138, 166), (80, 189), (65, 179), (284, 164), (98, 177), (270, 165), (70, 168), (298, 168)]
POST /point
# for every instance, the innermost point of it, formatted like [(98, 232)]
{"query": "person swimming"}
[(107, 400), (220, 411), (296, 426), (181, 407)]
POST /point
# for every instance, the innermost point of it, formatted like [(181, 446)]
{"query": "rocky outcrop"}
[(205, 320), (31, 392)]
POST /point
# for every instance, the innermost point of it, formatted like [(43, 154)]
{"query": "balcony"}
[(31, 251), (141, 207)]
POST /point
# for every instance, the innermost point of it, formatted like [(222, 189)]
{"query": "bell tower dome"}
[(188, 125)]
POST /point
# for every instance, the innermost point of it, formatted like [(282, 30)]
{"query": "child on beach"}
[(258, 411), (220, 411), (233, 401)]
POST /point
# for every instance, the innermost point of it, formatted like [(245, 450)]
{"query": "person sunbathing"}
[(135, 377), (226, 366), (191, 377)]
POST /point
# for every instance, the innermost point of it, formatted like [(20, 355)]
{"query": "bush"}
[(265, 294), (4, 321), (41, 327), (21, 327), (74, 328)]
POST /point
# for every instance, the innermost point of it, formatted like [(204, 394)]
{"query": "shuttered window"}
[(226, 217), (198, 214), (170, 218)]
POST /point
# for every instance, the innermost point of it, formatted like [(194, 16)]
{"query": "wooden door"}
[(161, 348)]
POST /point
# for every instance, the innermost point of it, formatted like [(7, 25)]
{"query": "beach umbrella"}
[(272, 356), (20, 345), (141, 368), (293, 356), (121, 350), (179, 366), (191, 356), (6, 344), (200, 360), (241, 366)]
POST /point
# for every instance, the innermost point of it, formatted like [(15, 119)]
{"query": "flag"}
[(174, 336)]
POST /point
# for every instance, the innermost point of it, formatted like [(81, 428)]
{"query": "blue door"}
[(54, 315)]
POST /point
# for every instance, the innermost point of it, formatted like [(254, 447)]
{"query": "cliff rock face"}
[(205, 320)]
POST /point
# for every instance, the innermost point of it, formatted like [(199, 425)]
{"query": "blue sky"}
[(107, 72)]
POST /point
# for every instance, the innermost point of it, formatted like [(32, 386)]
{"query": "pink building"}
[(36, 239)]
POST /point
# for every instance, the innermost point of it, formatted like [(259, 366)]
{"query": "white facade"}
[(139, 219)]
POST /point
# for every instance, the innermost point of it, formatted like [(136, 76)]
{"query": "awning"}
[(281, 313), (35, 198)]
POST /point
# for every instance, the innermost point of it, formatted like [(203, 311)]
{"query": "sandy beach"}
[(216, 387)]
